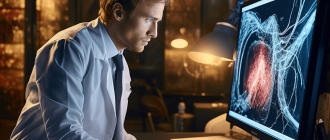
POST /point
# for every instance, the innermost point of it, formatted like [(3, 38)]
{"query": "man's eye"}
[(149, 19)]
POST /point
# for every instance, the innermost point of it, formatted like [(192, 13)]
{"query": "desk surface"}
[(223, 95), (175, 135)]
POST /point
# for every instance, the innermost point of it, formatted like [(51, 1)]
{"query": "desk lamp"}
[(218, 45)]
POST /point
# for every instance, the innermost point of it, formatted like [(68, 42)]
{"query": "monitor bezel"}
[(318, 45)]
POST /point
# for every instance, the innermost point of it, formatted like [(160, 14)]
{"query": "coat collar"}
[(103, 46)]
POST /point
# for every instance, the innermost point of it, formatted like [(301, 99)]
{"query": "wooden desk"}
[(173, 135)]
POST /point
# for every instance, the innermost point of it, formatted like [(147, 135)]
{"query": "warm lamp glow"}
[(179, 43), (206, 58)]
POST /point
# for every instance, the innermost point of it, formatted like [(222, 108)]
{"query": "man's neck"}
[(113, 30)]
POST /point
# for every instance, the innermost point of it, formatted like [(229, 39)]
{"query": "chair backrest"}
[(156, 106)]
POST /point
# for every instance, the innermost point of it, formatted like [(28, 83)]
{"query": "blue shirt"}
[(70, 94)]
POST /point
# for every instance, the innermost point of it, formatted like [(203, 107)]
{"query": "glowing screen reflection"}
[(271, 64)]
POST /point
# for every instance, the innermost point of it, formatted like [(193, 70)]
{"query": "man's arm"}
[(59, 71)]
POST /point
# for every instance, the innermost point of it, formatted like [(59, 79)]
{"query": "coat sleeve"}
[(59, 71)]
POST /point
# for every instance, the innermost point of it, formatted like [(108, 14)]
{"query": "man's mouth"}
[(145, 42)]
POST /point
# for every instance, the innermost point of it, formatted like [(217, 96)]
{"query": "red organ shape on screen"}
[(258, 79)]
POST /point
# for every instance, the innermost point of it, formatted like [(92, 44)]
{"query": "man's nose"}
[(153, 30)]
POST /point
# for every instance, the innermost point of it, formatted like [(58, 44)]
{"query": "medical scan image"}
[(271, 63)]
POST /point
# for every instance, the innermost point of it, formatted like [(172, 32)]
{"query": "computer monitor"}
[(277, 68)]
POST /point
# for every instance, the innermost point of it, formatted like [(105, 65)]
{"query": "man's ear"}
[(118, 11)]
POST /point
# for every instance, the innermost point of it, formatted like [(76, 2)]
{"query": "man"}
[(80, 82)]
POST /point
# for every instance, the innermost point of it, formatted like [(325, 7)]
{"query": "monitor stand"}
[(255, 138)]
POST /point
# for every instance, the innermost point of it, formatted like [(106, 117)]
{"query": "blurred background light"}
[(179, 43)]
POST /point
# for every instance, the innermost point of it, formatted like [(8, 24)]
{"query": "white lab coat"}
[(70, 94)]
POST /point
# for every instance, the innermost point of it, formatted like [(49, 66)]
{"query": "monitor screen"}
[(271, 65)]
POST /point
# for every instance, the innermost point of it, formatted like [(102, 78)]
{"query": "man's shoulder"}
[(77, 33)]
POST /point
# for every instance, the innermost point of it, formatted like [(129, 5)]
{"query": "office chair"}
[(158, 116)]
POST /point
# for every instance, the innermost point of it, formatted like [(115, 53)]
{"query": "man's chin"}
[(138, 50)]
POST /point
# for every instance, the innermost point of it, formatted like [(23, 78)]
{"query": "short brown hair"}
[(106, 12)]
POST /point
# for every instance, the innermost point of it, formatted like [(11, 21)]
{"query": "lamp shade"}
[(216, 46)]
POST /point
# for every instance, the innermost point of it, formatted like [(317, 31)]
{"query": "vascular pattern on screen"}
[(271, 63)]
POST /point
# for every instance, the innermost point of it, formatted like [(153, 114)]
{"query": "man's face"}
[(138, 28)]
